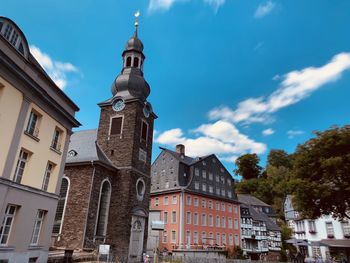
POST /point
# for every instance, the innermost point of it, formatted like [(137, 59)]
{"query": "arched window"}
[(102, 217), (61, 206), (128, 61), (136, 62)]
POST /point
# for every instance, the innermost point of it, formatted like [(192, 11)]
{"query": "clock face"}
[(147, 109), (118, 104)]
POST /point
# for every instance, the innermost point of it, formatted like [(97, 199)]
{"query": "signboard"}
[(103, 249), (157, 225)]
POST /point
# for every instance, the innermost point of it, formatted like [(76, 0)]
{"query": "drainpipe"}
[(181, 227), (90, 193)]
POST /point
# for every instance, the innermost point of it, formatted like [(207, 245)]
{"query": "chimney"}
[(180, 148)]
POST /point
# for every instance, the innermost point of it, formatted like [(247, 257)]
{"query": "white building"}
[(325, 236)]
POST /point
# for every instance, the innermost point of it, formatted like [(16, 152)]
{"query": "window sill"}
[(6, 248), (55, 150), (34, 247), (32, 136)]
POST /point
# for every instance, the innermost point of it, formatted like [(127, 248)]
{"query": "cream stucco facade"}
[(36, 119)]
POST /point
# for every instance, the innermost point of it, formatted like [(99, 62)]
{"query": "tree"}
[(322, 174), (278, 158), (248, 166)]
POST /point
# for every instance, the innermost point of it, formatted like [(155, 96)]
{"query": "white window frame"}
[(98, 207), (166, 200), (39, 219), (47, 176), (188, 218), (11, 217), (173, 236), (173, 217), (64, 206), (18, 178), (110, 125)]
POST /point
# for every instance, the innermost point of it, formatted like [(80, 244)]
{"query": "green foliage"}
[(248, 166), (322, 174), (278, 158)]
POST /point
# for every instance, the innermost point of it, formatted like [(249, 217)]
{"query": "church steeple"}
[(130, 84)]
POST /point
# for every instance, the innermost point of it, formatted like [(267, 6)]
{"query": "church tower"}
[(125, 135)]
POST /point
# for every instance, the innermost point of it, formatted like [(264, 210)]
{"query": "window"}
[(330, 229), (204, 203), (211, 176), (312, 227), (217, 221), (166, 200), (196, 171), (116, 126), (223, 192), (230, 223), (204, 174), (230, 240), (229, 194), (218, 191), (188, 237), (8, 31), (211, 189), (223, 207), (173, 217), (156, 201), (316, 251), (188, 218), (61, 206), (195, 219), (204, 238), (47, 175), (218, 238), (236, 223), (21, 163), (37, 227), (204, 219), (56, 139), (136, 62), (196, 185), (235, 210), (210, 220), (346, 228), (105, 194), (223, 239), (217, 178), (230, 208), (32, 128), (128, 61), (300, 226), (211, 238), (189, 200), (165, 236), (195, 237), (210, 204), (223, 222), (6, 225), (229, 181), (204, 187), (222, 180), (173, 236), (236, 240), (165, 217), (195, 202), (144, 131), (174, 200), (31, 260), (217, 206)]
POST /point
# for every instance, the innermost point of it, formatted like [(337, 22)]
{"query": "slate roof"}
[(184, 158), (86, 148), (250, 200)]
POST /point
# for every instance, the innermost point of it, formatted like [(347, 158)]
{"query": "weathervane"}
[(137, 14)]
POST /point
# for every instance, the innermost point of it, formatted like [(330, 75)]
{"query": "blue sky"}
[(227, 77)]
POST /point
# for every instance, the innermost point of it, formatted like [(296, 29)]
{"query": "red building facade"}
[(196, 200)]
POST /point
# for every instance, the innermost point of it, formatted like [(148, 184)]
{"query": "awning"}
[(335, 242), (297, 242)]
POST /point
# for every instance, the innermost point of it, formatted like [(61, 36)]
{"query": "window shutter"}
[(116, 127)]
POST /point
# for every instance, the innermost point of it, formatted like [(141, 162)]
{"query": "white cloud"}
[(292, 133), (264, 9), (57, 70), (221, 138), (268, 132), (294, 87), (165, 5)]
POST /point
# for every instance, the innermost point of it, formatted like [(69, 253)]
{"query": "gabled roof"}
[(250, 200), (85, 148), (261, 216), (184, 158)]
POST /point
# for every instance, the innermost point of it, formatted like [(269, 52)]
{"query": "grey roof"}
[(184, 158), (86, 148), (261, 216), (250, 200)]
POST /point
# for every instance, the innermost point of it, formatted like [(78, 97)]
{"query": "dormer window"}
[(12, 35)]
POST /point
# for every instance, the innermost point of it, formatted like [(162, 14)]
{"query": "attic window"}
[(72, 153), (9, 32)]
